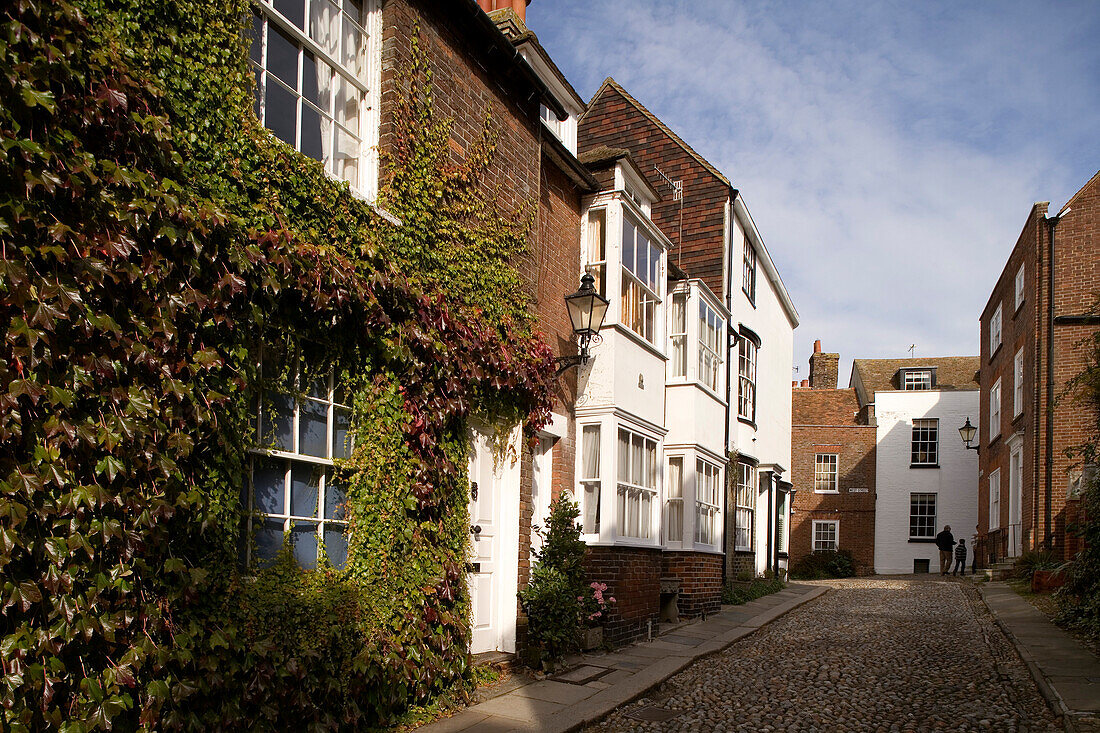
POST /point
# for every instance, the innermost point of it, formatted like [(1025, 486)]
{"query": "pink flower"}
[(611, 599)]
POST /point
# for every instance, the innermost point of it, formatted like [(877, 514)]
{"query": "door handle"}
[(475, 529)]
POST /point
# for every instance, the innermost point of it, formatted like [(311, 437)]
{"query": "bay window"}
[(745, 502), (590, 479), (707, 496), (640, 281), (310, 58), (637, 484), (678, 334), (674, 513), (710, 340)]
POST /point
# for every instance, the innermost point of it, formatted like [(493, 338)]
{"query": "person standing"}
[(946, 542), (960, 558)]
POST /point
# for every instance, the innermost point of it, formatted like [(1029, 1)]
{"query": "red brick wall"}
[(700, 576), (1077, 280), (698, 236), (827, 421), (467, 82), (633, 577)]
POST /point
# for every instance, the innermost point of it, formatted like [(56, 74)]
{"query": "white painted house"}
[(925, 476)]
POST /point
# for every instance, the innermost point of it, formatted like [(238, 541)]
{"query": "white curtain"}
[(324, 28)]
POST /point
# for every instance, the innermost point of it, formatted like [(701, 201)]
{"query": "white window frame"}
[(995, 331), (820, 540), (708, 496), (1019, 287), (748, 358), (674, 501), (327, 515), (925, 442), (926, 499), (745, 493), (916, 380), (782, 525), (709, 364), (596, 258), (363, 83), (1018, 384), (748, 273), (589, 482), (995, 499), (678, 335), (639, 299), (633, 492), (995, 410), (827, 473)]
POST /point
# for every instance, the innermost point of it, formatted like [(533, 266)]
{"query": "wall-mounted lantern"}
[(967, 432), (587, 310)]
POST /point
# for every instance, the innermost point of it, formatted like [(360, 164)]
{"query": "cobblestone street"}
[(871, 655)]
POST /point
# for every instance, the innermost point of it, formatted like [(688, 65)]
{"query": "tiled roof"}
[(824, 407), (952, 372), (611, 83)]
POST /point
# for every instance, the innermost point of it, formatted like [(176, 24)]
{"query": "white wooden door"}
[(484, 576)]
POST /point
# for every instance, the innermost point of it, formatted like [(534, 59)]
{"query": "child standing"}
[(960, 558)]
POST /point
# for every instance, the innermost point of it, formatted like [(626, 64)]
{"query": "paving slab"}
[(551, 691), (1066, 673)]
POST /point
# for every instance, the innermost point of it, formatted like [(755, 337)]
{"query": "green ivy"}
[(153, 238)]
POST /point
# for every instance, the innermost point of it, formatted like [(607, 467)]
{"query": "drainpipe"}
[(771, 517), (1052, 222)]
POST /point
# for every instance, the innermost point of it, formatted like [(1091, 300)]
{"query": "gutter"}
[(501, 45)]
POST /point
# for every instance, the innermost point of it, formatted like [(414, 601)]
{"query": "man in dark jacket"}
[(945, 541)]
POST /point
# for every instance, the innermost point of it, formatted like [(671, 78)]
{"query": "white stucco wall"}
[(953, 482)]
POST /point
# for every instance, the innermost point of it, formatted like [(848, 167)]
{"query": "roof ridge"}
[(610, 82)]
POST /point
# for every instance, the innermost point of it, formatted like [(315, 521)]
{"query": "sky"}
[(889, 152)]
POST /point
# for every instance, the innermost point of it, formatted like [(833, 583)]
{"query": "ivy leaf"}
[(32, 98)]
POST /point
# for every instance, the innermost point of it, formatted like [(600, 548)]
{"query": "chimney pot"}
[(805, 383), (817, 346)]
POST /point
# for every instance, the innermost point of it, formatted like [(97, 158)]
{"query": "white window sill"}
[(640, 340)]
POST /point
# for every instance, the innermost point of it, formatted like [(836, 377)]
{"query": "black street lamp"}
[(967, 433), (587, 309)]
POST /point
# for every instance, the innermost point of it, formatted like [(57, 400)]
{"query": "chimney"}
[(518, 6), (805, 383), (824, 368)]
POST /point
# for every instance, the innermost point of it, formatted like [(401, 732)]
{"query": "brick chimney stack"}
[(519, 6), (824, 368)]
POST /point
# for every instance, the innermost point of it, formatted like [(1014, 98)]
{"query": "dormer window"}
[(640, 277), (916, 379)]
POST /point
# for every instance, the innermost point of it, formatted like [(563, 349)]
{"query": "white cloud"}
[(889, 153)]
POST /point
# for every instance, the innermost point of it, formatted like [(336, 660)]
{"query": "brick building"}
[(691, 374), (328, 83), (1043, 305), (833, 452)]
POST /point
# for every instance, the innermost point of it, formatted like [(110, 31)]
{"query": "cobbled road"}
[(870, 655)]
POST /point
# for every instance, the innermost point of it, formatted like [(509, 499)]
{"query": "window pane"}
[(628, 245), (305, 480), (592, 507), (590, 452), (675, 478), (312, 428), (269, 540), (650, 481), (324, 26), (348, 105), (316, 81), (268, 485), (624, 456), (637, 460), (354, 52), (335, 498), (336, 545), (316, 133), (282, 56), (341, 443), (304, 535), (278, 422), (676, 520), (255, 50), (293, 10), (280, 111)]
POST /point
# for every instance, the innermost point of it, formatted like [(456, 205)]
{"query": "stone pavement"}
[(1067, 674), (597, 684)]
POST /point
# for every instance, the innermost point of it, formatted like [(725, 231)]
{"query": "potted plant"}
[(593, 608)]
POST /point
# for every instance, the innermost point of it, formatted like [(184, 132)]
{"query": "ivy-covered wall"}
[(154, 239)]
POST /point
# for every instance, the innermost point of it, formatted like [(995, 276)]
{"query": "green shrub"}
[(553, 600), (824, 564), (1032, 560), (737, 594)]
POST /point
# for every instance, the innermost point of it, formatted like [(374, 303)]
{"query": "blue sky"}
[(889, 152)]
